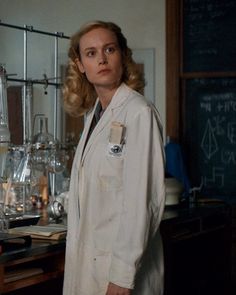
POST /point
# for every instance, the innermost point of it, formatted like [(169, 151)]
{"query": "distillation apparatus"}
[(29, 171)]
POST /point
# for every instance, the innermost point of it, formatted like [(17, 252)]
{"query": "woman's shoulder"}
[(137, 102), (134, 97), (138, 106)]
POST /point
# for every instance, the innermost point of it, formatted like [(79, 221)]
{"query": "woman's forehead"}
[(97, 37)]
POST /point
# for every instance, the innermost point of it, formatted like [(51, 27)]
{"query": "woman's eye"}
[(90, 53), (110, 50)]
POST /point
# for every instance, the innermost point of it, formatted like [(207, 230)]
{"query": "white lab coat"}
[(116, 203)]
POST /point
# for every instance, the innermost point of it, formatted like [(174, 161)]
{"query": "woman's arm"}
[(143, 196)]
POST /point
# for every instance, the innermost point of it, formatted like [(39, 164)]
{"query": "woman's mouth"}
[(104, 71)]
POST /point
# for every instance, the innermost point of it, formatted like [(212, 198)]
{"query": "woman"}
[(116, 196)]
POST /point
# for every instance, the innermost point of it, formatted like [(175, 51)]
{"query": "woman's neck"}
[(105, 96)]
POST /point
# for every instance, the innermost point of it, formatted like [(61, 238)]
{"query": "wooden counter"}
[(40, 263)]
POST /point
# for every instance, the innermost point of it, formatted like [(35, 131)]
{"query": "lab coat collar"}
[(119, 98)]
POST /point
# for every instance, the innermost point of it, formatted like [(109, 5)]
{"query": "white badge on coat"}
[(116, 139)]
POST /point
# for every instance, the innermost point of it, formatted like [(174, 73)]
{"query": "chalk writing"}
[(219, 125), (232, 132), (211, 134), (216, 178), (228, 157), (209, 35)]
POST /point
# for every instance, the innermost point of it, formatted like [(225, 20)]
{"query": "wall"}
[(142, 22)]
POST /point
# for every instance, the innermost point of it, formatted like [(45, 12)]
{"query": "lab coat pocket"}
[(111, 173)]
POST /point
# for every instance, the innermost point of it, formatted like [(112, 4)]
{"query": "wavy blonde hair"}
[(78, 93)]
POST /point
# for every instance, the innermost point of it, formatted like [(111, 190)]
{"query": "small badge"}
[(115, 149), (116, 139)]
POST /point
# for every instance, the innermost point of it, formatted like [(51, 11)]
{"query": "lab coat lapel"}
[(117, 101), (97, 130), (83, 139)]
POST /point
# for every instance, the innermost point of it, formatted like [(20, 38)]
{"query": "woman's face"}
[(101, 59)]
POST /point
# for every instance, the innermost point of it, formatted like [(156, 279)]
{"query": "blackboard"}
[(209, 35), (210, 134)]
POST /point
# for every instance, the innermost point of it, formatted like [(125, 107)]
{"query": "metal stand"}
[(29, 29)]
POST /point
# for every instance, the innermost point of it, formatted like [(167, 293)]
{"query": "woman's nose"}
[(102, 58)]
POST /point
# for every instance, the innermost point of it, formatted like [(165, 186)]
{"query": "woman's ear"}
[(80, 66)]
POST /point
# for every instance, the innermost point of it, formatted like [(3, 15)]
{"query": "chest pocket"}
[(111, 173)]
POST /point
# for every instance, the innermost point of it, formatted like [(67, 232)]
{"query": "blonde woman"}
[(116, 196)]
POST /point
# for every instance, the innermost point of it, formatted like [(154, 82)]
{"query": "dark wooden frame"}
[(175, 77), (173, 68)]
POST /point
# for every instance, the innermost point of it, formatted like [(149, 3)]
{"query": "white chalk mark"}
[(209, 142)]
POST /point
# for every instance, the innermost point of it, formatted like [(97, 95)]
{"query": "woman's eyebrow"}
[(89, 48), (105, 45)]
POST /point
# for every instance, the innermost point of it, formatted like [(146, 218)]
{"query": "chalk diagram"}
[(210, 147), (209, 143)]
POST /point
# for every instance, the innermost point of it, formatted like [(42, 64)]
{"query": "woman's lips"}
[(104, 71)]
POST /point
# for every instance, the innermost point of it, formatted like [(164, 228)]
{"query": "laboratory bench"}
[(197, 242), (197, 256), (40, 263)]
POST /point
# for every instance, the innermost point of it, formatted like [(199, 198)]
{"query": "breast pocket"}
[(111, 173)]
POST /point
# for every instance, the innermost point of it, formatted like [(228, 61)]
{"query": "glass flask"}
[(14, 157), (23, 172), (44, 146), (43, 142), (22, 181), (57, 160), (42, 138)]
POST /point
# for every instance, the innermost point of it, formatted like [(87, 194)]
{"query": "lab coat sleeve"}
[(143, 195)]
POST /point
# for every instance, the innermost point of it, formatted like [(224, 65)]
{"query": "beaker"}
[(22, 180), (42, 141)]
